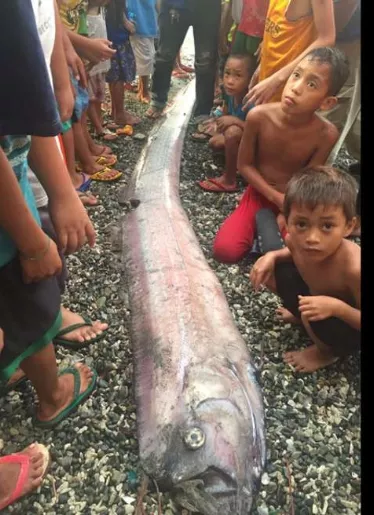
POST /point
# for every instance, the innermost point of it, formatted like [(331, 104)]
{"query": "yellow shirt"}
[(71, 12), (283, 40)]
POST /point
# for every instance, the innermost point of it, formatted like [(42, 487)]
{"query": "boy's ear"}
[(350, 226), (328, 103)]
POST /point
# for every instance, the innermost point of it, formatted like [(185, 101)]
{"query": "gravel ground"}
[(313, 422)]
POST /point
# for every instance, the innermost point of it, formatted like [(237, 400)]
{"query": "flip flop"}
[(107, 135), (214, 186), (68, 344), (106, 175), (109, 160), (78, 398), (112, 126), (86, 182), (127, 130), (200, 136), (23, 460), (154, 113)]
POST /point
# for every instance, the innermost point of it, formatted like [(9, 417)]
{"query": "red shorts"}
[(235, 236)]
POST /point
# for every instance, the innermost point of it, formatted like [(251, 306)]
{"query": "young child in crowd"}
[(96, 74), (228, 128), (318, 274), (144, 17), (122, 67), (279, 139)]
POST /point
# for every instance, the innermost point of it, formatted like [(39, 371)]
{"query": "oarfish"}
[(200, 413)]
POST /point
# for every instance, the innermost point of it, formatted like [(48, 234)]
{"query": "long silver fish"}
[(199, 407)]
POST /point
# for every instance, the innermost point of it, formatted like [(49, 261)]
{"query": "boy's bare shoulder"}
[(262, 111), (329, 131), (352, 259)]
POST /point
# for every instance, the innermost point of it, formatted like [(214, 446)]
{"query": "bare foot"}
[(309, 359), (87, 198), (287, 316), (10, 473), (127, 119), (82, 334), (100, 150), (65, 393), (154, 113)]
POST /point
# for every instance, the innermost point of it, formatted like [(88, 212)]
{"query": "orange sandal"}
[(127, 130), (106, 175)]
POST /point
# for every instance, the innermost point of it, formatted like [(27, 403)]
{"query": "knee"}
[(223, 252), (206, 61), (233, 134)]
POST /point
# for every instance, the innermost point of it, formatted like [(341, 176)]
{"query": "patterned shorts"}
[(122, 65)]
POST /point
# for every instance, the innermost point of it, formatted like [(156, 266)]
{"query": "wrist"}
[(37, 254)]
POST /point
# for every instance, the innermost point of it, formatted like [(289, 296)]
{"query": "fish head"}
[(216, 452)]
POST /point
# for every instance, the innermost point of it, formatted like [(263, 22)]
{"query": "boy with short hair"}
[(279, 139), (318, 274), (229, 126)]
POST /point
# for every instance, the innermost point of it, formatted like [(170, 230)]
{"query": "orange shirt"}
[(283, 40)]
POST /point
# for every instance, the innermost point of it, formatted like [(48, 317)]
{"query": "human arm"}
[(18, 222), (329, 136), (246, 158), (225, 26), (129, 25), (263, 269), (69, 217), (94, 50), (226, 121), (323, 16), (320, 307), (60, 73)]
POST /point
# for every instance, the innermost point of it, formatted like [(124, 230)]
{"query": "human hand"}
[(318, 307), (130, 26), (99, 50), (76, 65), (262, 270), (40, 266), (71, 222), (224, 122), (65, 101), (262, 92)]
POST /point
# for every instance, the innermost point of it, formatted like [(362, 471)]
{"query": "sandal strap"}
[(73, 327), (24, 461), (77, 379)]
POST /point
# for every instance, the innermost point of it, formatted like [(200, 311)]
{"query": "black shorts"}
[(333, 332)]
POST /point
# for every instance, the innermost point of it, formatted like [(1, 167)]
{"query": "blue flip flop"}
[(78, 398), (86, 183)]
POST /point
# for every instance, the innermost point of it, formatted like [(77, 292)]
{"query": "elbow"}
[(328, 40)]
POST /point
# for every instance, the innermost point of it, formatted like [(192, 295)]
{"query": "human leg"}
[(227, 181), (206, 23), (173, 25), (235, 236)]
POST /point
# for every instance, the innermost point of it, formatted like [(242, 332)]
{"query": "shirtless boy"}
[(279, 139), (318, 274), (228, 128)]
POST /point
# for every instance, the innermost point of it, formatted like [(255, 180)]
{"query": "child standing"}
[(96, 74), (230, 125), (122, 66), (318, 274), (279, 139), (143, 15)]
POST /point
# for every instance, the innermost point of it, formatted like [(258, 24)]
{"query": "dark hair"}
[(241, 57), (114, 12), (338, 62), (322, 185)]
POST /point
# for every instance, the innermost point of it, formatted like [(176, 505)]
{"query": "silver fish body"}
[(199, 407)]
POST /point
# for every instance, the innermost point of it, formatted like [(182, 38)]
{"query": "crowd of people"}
[(275, 93)]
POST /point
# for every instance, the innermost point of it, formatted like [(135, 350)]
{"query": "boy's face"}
[(307, 88), (317, 233), (236, 76)]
